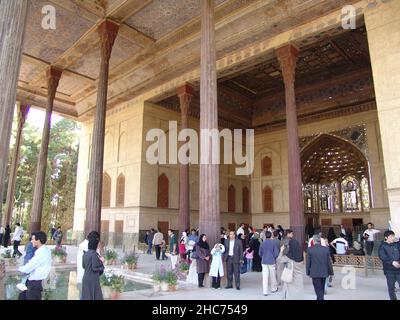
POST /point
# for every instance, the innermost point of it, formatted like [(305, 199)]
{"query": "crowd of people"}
[(276, 253), (273, 251)]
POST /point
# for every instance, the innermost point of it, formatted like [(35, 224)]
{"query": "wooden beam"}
[(136, 36), (123, 9), (80, 10)]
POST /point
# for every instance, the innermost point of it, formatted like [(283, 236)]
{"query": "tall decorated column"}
[(12, 29), (108, 31), (209, 215), (22, 114), (185, 94), (287, 56), (53, 78)]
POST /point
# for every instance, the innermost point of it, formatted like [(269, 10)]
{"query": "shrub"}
[(6, 254), (110, 255), (184, 266), (131, 258), (60, 252)]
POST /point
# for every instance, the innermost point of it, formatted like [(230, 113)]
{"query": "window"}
[(120, 202), (335, 176), (245, 199), (351, 194), (266, 166), (162, 195), (231, 199), (106, 192), (268, 199)]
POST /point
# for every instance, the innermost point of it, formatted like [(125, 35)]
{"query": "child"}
[(29, 253), (163, 250), (249, 258)]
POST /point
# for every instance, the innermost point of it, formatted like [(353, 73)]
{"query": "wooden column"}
[(12, 29), (185, 94), (22, 114), (53, 77), (108, 32), (287, 56), (209, 215)]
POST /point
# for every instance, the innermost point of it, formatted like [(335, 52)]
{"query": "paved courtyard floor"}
[(372, 287)]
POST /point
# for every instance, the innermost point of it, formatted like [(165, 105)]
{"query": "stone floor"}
[(372, 287)]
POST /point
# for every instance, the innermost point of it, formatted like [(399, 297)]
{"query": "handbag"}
[(287, 274), (194, 255)]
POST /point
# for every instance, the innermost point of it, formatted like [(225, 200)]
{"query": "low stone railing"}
[(370, 262)]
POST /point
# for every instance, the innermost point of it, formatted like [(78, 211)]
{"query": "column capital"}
[(53, 77), (108, 31), (287, 56), (23, 112), (185, 94)]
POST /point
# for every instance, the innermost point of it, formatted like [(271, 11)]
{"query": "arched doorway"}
[(335, 179)]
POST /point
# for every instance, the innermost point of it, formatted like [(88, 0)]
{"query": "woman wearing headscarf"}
[(217, 265), (254, 246), (331, 236), (203, 262), (92, 262), (7, 234)]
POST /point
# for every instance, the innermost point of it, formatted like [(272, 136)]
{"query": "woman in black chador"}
[(93, 265), (254, 246), (7, 235)]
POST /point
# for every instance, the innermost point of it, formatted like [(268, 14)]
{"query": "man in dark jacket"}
[(233, 258), (390, 256), (319, 266)]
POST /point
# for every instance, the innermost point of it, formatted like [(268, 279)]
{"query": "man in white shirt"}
[(17, 236), (323, 243), (240, 230), (38, 267), (369, 237), (341, 244)]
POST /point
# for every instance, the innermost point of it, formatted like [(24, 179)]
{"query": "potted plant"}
[(111, 284), (59, 254), (130, 260), (110, 257), (172, 280), (159, 278), (184, 267), (7, 258)]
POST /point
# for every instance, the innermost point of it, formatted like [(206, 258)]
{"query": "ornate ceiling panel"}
[(70, 84), (163, 16), (89, 64), (356, 135), (329, 57), (334, 93), (48, 45), (28, 70), (328, 158)]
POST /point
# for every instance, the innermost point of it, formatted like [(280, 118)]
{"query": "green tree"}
[(62, 160)]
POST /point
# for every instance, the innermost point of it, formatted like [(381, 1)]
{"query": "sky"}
[(36, 118)]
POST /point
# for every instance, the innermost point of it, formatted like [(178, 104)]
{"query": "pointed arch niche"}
[(335, 176)]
